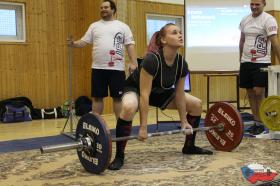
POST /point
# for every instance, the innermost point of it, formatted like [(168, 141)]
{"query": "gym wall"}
[(38, 68)]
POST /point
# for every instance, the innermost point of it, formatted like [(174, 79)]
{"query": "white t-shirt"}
[(109, 39), (257, 46)]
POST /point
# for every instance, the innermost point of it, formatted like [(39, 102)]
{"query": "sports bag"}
[(47, 113), (14, 102), (16, 113)]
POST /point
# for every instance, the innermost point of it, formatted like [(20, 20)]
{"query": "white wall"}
[(217, 58), (219, 33), (272, 5)]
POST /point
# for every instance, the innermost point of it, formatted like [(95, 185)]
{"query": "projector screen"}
[(212, 34)]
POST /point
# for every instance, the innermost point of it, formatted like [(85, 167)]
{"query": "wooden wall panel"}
[(276, 14), (137, 11), (38, 68)]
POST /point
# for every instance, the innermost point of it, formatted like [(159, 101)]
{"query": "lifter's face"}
[(173, 37), (257, 7), (106, 12)]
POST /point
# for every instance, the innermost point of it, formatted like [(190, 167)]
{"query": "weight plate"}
[(231, 136), (270, 112), (92, 130)]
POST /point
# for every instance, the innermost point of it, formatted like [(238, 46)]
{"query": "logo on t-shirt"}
[(118, 43), (260, 48), (272, 29)]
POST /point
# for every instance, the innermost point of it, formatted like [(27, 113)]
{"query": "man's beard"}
[(105, 15)]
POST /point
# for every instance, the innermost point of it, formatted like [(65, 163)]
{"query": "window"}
[(12, 22), (155, 22)]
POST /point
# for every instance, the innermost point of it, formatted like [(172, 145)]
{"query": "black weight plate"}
[(97, 158)]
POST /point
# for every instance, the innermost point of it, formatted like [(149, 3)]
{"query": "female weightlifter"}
[(159, 82)]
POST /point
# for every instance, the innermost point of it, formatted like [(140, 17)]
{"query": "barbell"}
[(223, 127)]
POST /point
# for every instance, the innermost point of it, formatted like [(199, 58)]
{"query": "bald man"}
[(258, 34)]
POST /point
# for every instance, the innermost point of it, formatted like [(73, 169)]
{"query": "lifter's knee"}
[(195, 108), (129, 108)]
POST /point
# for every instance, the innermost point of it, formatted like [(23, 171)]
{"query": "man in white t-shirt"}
[(109, 38), (258, 33)]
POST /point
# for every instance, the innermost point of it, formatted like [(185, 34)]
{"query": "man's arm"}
[(132, 57), (241, 45), (76, 44), (276, 47)]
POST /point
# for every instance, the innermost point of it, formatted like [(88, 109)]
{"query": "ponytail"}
[(154, 44)]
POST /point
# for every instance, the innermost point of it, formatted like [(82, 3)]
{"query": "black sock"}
[(194, 122), (123, 128), (189, 146)]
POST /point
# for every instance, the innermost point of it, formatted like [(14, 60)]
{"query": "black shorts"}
[(102, 79), (160, 100), (251, 76)]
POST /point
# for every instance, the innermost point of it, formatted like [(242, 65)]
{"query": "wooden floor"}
[(50, 127)]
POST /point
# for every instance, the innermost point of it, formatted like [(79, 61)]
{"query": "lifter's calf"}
[(123, 129), (189, 146)]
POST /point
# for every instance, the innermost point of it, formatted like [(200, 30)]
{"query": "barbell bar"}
[(220, 126), (62, 147), (223, 127), (85, 142)]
